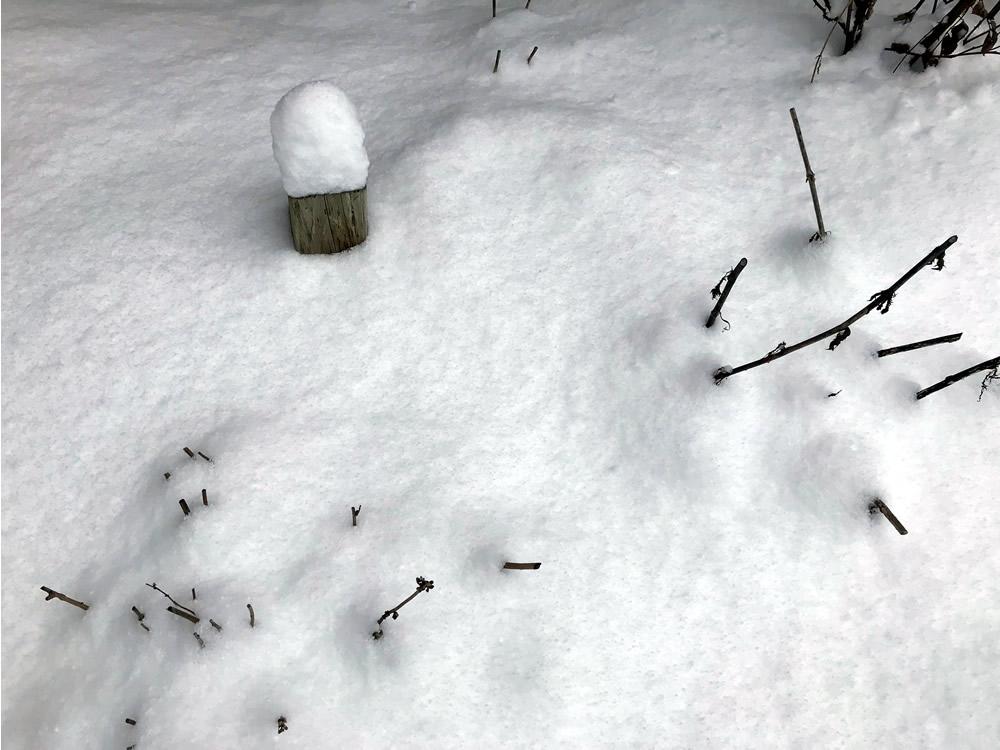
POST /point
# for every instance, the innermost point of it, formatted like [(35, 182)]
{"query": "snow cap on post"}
[(318, 141)]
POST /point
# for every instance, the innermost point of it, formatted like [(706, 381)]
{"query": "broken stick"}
[(878, 506), (723, 294), (50, 594), (949, 339)]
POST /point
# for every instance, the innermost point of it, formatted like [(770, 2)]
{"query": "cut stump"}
[(329, 223)]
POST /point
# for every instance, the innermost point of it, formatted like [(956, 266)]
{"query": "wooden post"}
[(521, 566), (877, 506), (810, 178), (329, 223)]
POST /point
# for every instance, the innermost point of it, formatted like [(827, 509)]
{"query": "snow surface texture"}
[(514, 368), (318, 141)]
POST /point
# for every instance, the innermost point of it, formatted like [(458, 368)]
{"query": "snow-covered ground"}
[(513, 367)]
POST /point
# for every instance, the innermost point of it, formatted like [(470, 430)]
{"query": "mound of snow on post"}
[(318, 141)]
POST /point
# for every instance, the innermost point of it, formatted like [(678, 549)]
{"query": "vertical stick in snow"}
[(724, 294), (810, 178), (496, 65)]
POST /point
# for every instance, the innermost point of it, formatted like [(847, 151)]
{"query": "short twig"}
[(878, 506), (950, 338), (521, 566), (251, 615), (422, 585), (355, 512), (184, 506), (215, 625), (140, 616), (532, 51), (50, 594), (282, 724), (496, 64), (723, 293), (187, 450), (130, 722), (186, 615), (200, 641), (204, 456)]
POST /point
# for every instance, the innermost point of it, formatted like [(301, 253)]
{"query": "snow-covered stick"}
[(252, 618), (200, 641), (877, 506), (879, 301), (810, 178), (949, 339), (723, 294), (215, 625), (422, 585), (496, 64), (355, 512), (50, 594), (521, 566), (532, 52), (990, 364)]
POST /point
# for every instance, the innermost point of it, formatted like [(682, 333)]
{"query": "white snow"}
[(515, 367), (318, 141)]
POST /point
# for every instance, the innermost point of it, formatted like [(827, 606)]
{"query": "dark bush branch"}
[(990, 364), (422, 585), (879, 301), (949, 339), (50, 594), (723, 294), (810, 178)]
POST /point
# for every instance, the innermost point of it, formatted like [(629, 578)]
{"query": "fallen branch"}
[(50, 594), (949, 339), (990, 364), (879, 301)]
